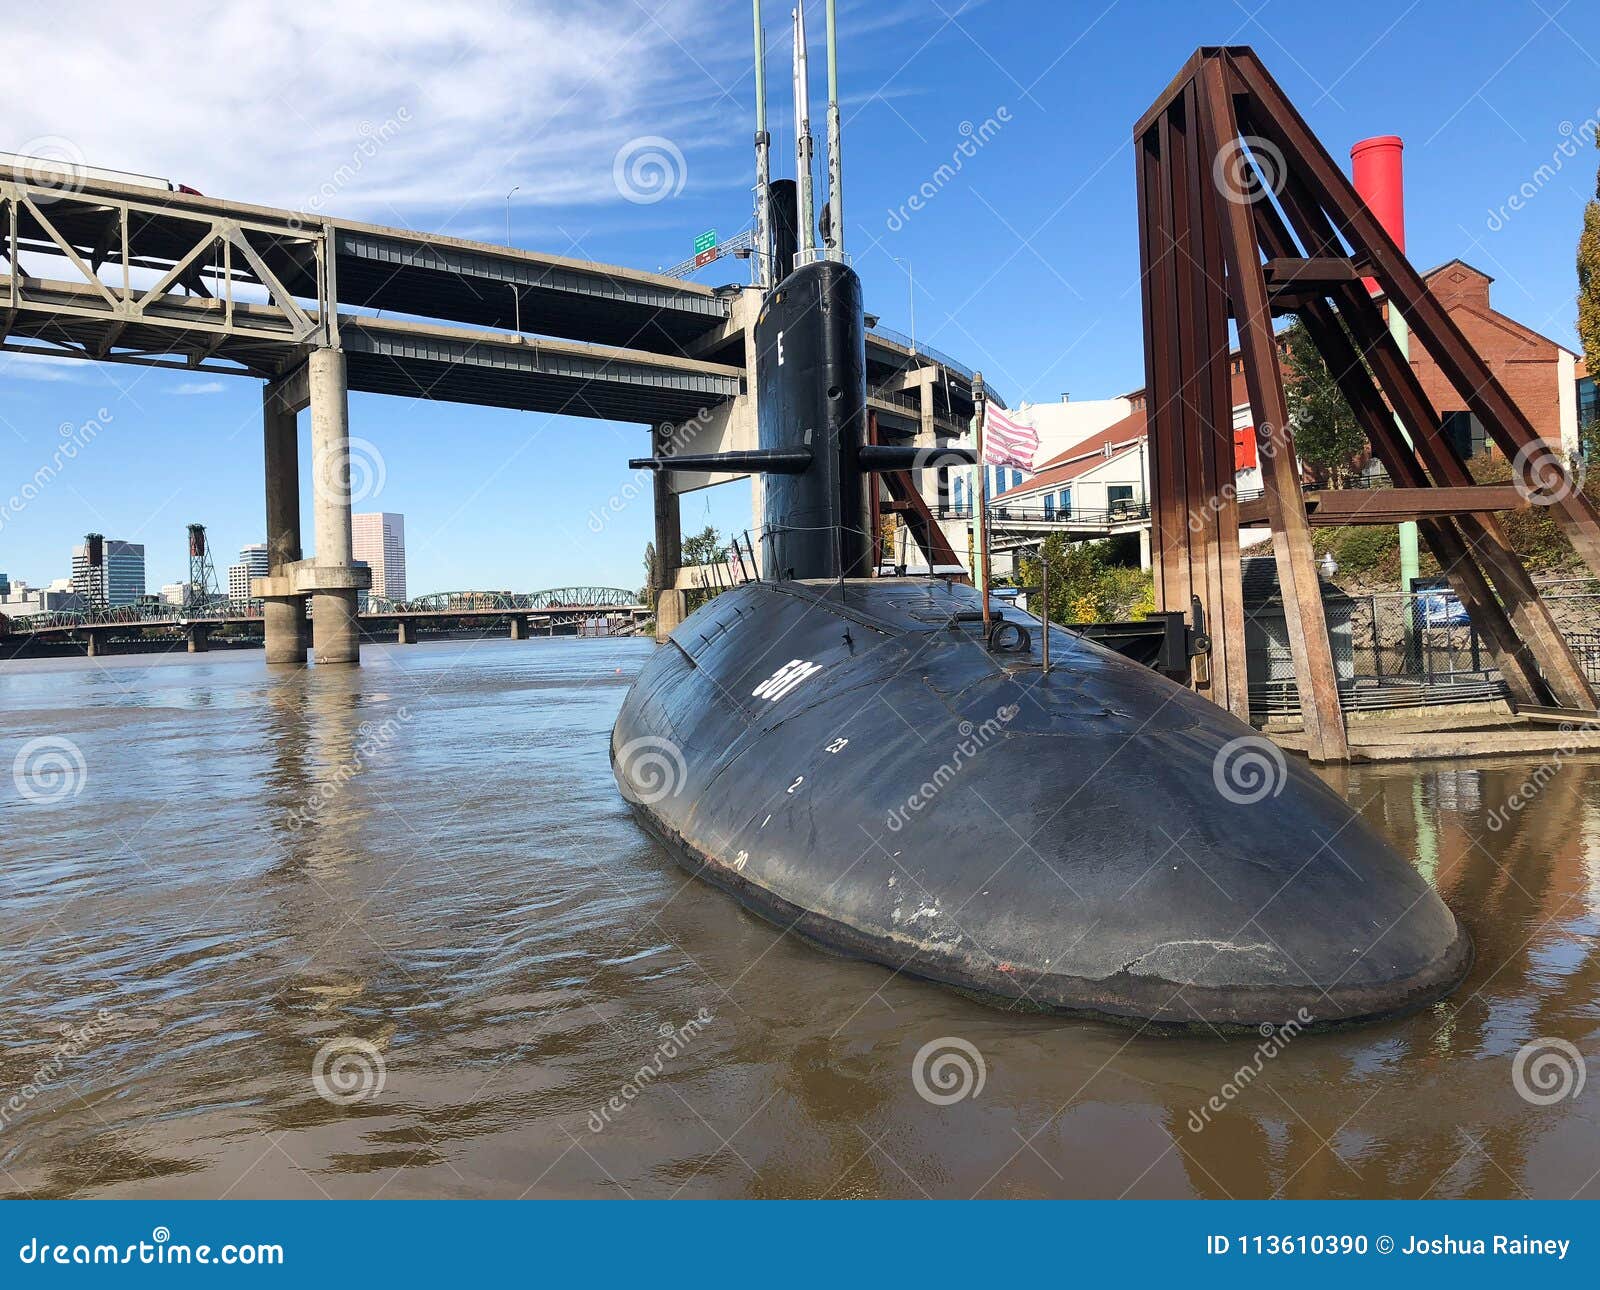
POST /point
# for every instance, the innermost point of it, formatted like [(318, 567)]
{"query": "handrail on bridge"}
[(224, 610)]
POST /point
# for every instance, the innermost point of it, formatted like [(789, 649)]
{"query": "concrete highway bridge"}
[(114, 271), (614, 609)]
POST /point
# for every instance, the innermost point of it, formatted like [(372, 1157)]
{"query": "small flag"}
[(1007, 442)]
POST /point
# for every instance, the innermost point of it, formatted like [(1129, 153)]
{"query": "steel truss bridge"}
[(559, 604), (111, 271)]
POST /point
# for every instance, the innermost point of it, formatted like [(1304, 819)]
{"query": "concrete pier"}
[(669, 554), (519, 629), (199, 638), (335, 638), (283, 617), (405, 632)]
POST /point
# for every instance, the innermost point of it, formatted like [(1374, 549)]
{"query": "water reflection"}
[(428, 857)]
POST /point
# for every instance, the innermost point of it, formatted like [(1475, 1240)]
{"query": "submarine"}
[(882, 766)]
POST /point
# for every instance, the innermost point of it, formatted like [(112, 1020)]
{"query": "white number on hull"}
[(785, 679)]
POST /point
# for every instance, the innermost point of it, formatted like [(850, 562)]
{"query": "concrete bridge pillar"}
[(669, 555), (519, 629), (283, 617), (199, 635), (96, 646), (405, 632), (335, 638)]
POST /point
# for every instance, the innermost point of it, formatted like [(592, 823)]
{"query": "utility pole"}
[(979, 400)]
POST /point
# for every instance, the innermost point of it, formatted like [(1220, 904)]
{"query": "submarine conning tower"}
[(811, 425), (811, 371)]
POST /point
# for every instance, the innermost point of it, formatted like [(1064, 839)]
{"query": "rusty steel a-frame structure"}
[(1243, 215)]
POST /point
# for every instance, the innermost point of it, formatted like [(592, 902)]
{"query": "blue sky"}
[(1024, 265)]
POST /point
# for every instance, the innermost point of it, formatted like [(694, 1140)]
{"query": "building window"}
[(1049, 507), (1588, 403), (1064, 501), (1465, 433), (960, 492)]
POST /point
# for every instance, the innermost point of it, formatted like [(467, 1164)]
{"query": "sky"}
[(1023, 265)]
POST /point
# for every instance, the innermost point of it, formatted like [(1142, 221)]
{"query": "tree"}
[(1326, 432), (705, 547), (1589, 281), (647, 593), (1085, 585)]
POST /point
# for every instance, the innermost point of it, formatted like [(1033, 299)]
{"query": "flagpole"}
[(979, 408)]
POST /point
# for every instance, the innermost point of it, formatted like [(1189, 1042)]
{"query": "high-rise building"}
[(252, 564), (380, 541), (108, 572)]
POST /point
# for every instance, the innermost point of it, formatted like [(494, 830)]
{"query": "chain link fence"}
[(1392, 650)]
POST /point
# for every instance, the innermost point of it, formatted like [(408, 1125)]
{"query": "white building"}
[(21, 600), (252, 564), (118, 578), (1060, 426), (380, 542)]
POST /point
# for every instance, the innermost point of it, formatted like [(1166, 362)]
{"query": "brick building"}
[(1541, 376)]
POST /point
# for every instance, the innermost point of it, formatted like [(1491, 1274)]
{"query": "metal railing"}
[(919, 348), (1120, 513)]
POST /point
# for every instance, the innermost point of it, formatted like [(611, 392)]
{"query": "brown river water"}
[(392, 931)]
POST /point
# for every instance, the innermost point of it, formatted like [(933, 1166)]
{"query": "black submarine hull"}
[(849, 761)]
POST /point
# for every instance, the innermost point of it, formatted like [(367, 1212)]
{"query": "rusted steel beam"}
[(1427, 318), (1530, 649), (1298, 582)]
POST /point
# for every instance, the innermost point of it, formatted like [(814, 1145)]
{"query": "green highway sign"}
[(705, 241)]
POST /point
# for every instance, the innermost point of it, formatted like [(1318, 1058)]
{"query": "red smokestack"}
[(1379, 176)]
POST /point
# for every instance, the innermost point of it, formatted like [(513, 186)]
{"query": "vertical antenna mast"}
[(802, 138), (764, 250), (835, 161)]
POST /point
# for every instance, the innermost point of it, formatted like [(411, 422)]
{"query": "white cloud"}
[(199, 387), (270, 105), (42, 367)]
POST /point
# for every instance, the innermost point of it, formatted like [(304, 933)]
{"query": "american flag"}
[(1007, 442)]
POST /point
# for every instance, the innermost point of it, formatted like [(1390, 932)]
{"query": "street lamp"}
[(515, 188), (911, 297)]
